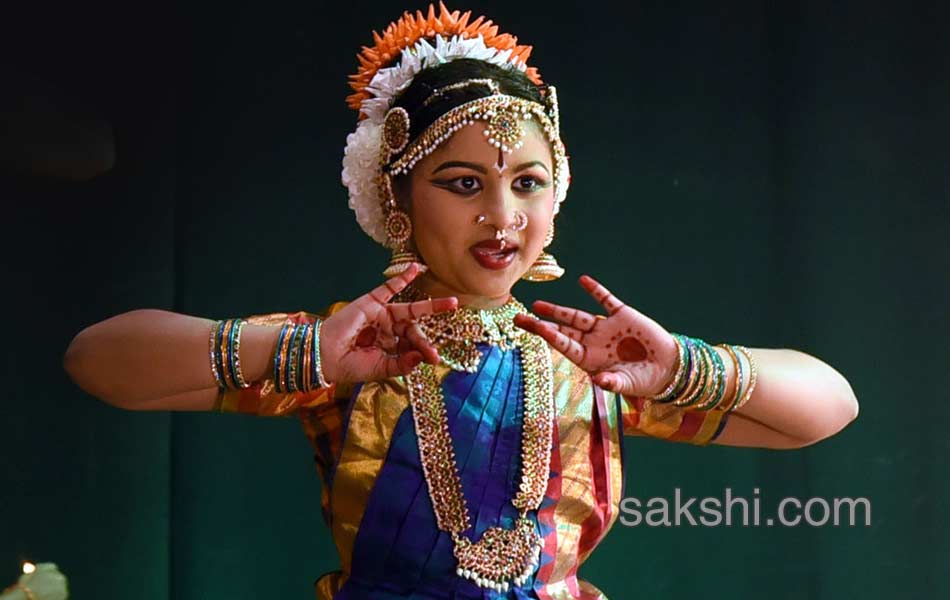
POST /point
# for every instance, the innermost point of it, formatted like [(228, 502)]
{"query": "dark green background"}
[(771, 174)]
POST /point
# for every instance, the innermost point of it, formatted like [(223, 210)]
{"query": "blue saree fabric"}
[(399, 552)]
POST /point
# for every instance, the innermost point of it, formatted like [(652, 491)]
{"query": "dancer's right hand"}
[(371, 339)]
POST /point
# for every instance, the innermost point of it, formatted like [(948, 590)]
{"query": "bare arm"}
[(158, 360), (798, 401), (153, 359)]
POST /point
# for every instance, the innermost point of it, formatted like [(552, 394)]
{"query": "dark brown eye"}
[(529, 183), (467, 184)]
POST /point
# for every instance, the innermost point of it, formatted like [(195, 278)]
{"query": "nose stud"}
[(480, 219)]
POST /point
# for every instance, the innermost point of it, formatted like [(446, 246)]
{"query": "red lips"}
[(494, 254)]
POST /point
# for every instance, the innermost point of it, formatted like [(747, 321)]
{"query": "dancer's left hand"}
[(626, 352)]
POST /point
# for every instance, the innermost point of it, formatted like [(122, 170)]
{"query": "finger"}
[(392, 366), (607, 380), (613, 381), (404, 345), (601, 294), (410, 311), (575, 334), (578, 319), (384, 293), (412, 337), (572, 349)]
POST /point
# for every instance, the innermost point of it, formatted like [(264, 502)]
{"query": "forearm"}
[(135, 358), (796, 395)]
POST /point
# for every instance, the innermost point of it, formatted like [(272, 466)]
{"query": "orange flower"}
[(410, 28)]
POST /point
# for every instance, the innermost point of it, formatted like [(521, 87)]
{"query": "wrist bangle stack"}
[(297, 365), (700, 379), (224, 345)]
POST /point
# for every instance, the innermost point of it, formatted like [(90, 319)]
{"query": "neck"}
[(430, 285)]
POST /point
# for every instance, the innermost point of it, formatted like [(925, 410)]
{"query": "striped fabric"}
[(352, 435)]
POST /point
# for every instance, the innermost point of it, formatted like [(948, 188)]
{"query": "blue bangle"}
[(278, 384)]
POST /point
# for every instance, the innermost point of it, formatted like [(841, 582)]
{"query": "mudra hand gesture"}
[(626, 352), (371, 339)]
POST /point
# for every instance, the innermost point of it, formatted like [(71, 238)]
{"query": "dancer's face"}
[(462, 194)]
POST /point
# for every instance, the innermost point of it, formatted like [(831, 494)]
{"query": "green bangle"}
[(719, 380), (697, 375)]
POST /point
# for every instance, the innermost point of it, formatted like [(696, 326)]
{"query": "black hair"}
[(511, 82)]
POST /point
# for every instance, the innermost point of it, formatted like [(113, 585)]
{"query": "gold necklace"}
[(501, 555)]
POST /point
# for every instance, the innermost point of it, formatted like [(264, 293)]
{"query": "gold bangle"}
[(214, 363), (729, 406), (316, 355), (753, 376), (679, 371)]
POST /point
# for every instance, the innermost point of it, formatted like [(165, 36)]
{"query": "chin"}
[(494, 287)]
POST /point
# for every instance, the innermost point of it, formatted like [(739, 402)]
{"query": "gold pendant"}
[(500, 556)]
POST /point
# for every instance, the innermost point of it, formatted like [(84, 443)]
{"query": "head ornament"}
[(381, 148)]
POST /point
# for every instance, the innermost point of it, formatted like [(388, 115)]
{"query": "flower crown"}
[(407, 47)]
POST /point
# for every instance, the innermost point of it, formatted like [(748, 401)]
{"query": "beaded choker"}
[(501, 556)]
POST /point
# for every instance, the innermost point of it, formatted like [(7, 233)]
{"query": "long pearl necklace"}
[(501, 556)]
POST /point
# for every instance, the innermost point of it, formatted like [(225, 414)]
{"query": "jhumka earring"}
[(398, 225), (399, 230), (545, 268)]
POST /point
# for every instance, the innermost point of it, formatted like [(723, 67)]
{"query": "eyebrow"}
[(533, 163), (459, 163), (477, 167)]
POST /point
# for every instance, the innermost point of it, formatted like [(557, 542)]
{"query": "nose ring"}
[(521, 221)]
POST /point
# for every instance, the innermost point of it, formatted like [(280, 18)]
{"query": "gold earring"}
[(545, 268), (398, 232)]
